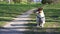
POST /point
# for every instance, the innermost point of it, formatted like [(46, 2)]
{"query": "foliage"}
[(17, 1), (47, 1)]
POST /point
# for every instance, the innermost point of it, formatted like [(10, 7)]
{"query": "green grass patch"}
[(5, 19), (2, 23), (9, 11), (51, 14), (52, 17)]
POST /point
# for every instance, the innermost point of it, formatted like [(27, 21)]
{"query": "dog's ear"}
[(39, 9)]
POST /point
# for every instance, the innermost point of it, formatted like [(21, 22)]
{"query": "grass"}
[(9, 11), (2, 23), (52, 6), (52, 20), (51, 14), (52, 17)]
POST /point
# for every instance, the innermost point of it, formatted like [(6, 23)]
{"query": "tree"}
[(9, 1), (56, 1), (29, 0), (47, 1), (1, 0), (50, 1), (17, 1)]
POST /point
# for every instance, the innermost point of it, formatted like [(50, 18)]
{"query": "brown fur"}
[(39, 10)]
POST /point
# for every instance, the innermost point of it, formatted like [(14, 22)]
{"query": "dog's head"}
[(39, 10)]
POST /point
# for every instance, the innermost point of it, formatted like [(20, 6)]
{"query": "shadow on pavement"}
[(32, 30)]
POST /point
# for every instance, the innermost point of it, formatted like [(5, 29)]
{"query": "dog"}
[(40, 17)]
